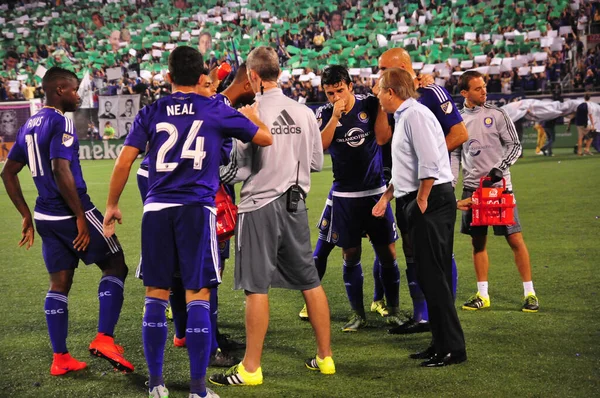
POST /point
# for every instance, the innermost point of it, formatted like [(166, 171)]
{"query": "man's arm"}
[(263, 136), (512, 146), (239, 167), (423, 193), (15, 193), (457, 136), (383, 130), (118, 179), (61, 169), (316, 159), (328, 132), (455, 160), (592, 120), (381, 206)]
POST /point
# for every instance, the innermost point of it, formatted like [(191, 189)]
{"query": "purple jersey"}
[(438, 101), (226, 150), (356, 157), (185, 132), (45, 136)]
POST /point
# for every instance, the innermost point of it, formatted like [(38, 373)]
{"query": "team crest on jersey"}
[(488, 121), (67, 140), (324, 223), (363, 117), (447, 107)]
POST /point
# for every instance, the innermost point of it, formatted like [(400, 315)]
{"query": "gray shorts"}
[(499, 230), (272, 249)]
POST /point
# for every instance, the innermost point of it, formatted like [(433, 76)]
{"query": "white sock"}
[(482, 288), (528, 288)]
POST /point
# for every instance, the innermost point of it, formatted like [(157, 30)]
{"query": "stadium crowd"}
[(348, 32)]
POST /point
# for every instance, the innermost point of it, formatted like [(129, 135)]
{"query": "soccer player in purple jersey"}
[(67, 221), (238, 92), (439, 101), (351, 127), (184, 133)]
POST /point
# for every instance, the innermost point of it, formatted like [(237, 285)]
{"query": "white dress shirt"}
[(418, 149)]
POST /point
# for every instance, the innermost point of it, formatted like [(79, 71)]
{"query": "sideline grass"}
[(555, 353)]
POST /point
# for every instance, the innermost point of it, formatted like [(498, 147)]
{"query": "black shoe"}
[(227, 344), (439, 360), (410, 327), (223, 360), (428, 353)]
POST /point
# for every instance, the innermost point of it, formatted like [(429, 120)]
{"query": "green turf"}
[(554, 353)]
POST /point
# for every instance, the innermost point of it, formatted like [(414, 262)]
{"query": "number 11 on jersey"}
[(197, 154)]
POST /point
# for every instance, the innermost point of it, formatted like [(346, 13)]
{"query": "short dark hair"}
[(587, 96), (465, 79), (129, 100), (12, 54), (54, 74), (334, 74), (186, 66), (107, 102)]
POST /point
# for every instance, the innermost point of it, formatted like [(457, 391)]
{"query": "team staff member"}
[(492, 148), (422, 177), (438, 101), (272, 247)]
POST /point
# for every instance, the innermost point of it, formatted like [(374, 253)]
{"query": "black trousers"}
[(432, 235)]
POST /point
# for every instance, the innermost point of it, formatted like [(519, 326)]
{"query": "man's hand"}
[(422, 203), (375, 88), (27, 233), (495, 175), (250, 111), (338, 108), (464, 204), (82, 240), (380, 208), (111, 215)]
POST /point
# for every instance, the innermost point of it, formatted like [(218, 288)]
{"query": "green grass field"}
[(554, 353)]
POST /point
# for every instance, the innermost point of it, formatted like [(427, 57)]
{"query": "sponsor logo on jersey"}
[(67, 140), (284, 124), (475, 147), (354, 137), (488, 122), (363, 117), (447, 107)]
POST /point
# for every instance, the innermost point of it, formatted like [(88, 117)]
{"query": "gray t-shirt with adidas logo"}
[(268, 172)]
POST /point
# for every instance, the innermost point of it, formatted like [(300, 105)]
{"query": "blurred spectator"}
[(109, 131)]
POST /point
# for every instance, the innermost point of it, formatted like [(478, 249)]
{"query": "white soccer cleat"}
[(159, 392)]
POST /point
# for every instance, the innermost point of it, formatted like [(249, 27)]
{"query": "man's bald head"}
[(396, 58)]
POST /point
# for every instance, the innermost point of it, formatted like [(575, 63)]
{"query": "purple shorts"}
[(58, 236), (351, 218), (184, 239)]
